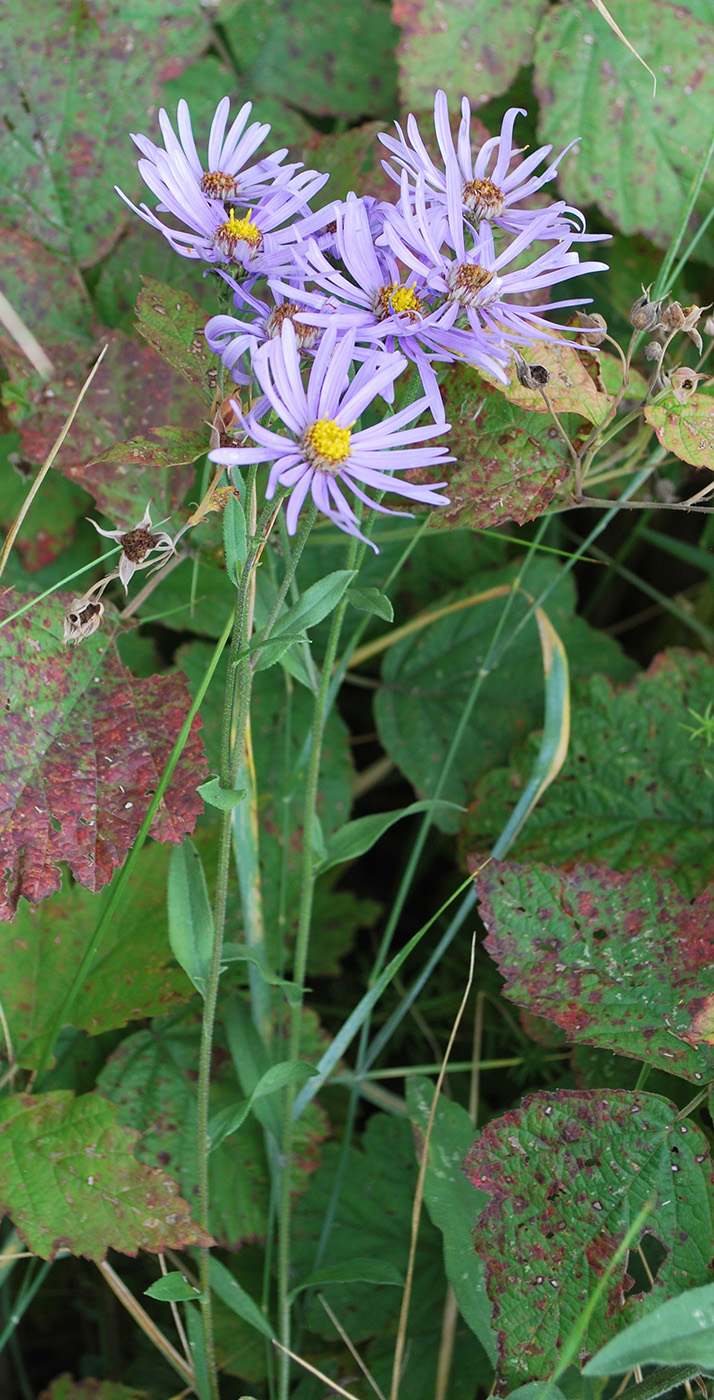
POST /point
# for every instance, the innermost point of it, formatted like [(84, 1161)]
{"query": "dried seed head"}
[(672, 318), (136, 543), (646, 315), (595, 326), (653, 351), (531, 376), (82, 618)]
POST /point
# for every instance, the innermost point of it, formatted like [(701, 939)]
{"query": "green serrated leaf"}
[(585, 1165), (190, 915), (371, 600), (172, 1288), (225, 799), (686, 429), (356, 837)]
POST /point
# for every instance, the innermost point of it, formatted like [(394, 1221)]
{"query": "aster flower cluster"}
[(459, 269)]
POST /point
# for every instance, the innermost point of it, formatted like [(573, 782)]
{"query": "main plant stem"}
[(307, 882), (233, 737)]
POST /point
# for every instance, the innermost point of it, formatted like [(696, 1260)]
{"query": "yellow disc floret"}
[(326, 446), (235, 231), (395, 300)]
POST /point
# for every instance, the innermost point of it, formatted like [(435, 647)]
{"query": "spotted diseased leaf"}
[(462, 50), (77, 81), (509, 461), (572, 385), (639, 151), (168, 447), (65, 1388), (567, 1174), (41, 950), (173, 324), (686, 429), (111, 411), (69, 1180), (635, 785), (621, 961), (84, 746)]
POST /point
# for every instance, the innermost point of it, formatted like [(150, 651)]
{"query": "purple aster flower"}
[(474, 280), (487, 190), (383, 308), (234, 338), (319, 453)]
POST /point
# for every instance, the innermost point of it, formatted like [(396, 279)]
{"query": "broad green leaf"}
[(151, 1078), (453, 1205), (361, 835), (235, 538), (510, 462), (450, 47), (229, 1120), (638, 152), (84, 746), (686, 429), (131, 978), (225, 799), (190, 917), (351, 1271), (428, 677), (537, 1390), (341, 61), (635, 786), (230, 1292), (619, 961), (681, 1329), (372, 1221), (568, 1173), (76, 84), (172, 1288), (56, 1151), (370, 600), (173, 324)]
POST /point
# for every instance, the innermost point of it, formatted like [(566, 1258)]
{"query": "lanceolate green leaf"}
[(360, 835), (190, 916)]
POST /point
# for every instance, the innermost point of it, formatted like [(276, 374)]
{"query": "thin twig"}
[(147, 1325), (331, 1385), (15, 527), (350, 1346)]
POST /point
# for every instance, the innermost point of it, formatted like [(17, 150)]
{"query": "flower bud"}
[(646, 315), (594, 325)]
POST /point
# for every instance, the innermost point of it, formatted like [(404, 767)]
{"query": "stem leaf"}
[(189, 912)]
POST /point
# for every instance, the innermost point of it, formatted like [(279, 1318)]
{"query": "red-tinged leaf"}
[(567, 1174), (47, 294), (620, 961), (571, 388), (69, 1180), (133, 976), (173, 324), (686, 429), (449, 47), (84, 746), (509, 461), (168, 447), (111, 411)]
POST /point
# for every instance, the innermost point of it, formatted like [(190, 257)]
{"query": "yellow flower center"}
[(217, 185), (483, 199), (395, 300), (235, 231), (326, 446)]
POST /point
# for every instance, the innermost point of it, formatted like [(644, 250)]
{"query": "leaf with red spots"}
[(69, 1180), (84, 746), (509, 461), (78, 80), (130, 978), (462, 50), (639, 151), (635, 786), (624, 962), (173, 323), (111, 411), (686, 429), (152, 1079), (567, 1174)]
